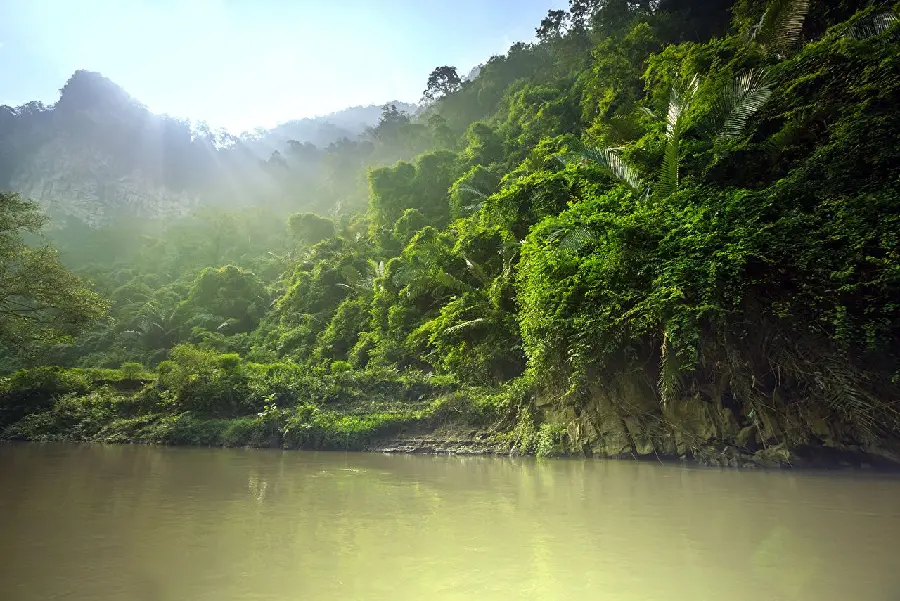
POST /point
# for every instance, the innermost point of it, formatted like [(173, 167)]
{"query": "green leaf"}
[(740, 99), (870, 26), (616, 165), (781, 25), (676, 125)]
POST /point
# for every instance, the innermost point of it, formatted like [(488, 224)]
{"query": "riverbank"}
[(393, 413), (398, 434)]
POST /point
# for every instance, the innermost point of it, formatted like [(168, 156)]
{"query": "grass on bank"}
[(200, 398)]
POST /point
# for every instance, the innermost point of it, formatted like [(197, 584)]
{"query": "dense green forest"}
[(664, 229)]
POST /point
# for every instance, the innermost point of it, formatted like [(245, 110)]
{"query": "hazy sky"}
[(242, 63)]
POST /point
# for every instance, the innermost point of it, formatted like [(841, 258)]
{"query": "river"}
[(160, 524)]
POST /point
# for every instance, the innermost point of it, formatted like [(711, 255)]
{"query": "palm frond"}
[(478, 194), (377, 269), (620, 129), (679, 104), (472, 190), (870, 26), (676, 121), (464, 325), (616, 165), (781, 24), (477, 271), (669, 383), (790, 24), (572, 238), (668, 177), (740, 99)]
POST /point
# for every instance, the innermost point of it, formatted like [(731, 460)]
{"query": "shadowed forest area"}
[(664, 229)]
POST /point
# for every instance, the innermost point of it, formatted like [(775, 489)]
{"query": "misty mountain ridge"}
[(98, 154), (323, 130)]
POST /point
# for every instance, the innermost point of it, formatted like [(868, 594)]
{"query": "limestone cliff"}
[(74, 179), (98, 154)]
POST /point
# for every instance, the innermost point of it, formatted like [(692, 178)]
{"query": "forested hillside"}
[(99, 157), (665, 229)]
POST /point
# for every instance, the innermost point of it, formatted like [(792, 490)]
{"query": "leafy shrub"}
[(531, 437), (132, 370), (35, 389), (311, 427), (72, 417)]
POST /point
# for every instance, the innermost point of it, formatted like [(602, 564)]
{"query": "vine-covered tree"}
[(664, 226)]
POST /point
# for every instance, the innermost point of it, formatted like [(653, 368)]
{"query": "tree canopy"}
[(661, 228), (40, 300), (442, 81)]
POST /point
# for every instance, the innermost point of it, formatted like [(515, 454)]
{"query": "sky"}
[(242, 64)]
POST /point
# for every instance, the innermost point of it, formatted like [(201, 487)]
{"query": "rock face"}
[(73, 179), (627, 420), (98, 154)]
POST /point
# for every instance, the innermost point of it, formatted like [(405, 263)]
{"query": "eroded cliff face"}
[(73, 178), (626, 419), (98, 154)]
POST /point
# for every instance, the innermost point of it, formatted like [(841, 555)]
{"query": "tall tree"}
[(40, 300), (390, 124), (553, 26), (442, 81)]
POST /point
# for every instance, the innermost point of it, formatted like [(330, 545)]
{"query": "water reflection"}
[(165, 524), (257, 487)]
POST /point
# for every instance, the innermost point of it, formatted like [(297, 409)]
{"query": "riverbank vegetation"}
[(660, 229)]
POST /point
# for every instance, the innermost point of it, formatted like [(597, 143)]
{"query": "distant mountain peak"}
[(98, 153), (88, 90)]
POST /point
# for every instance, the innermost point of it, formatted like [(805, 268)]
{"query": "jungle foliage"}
[(695, 199)]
